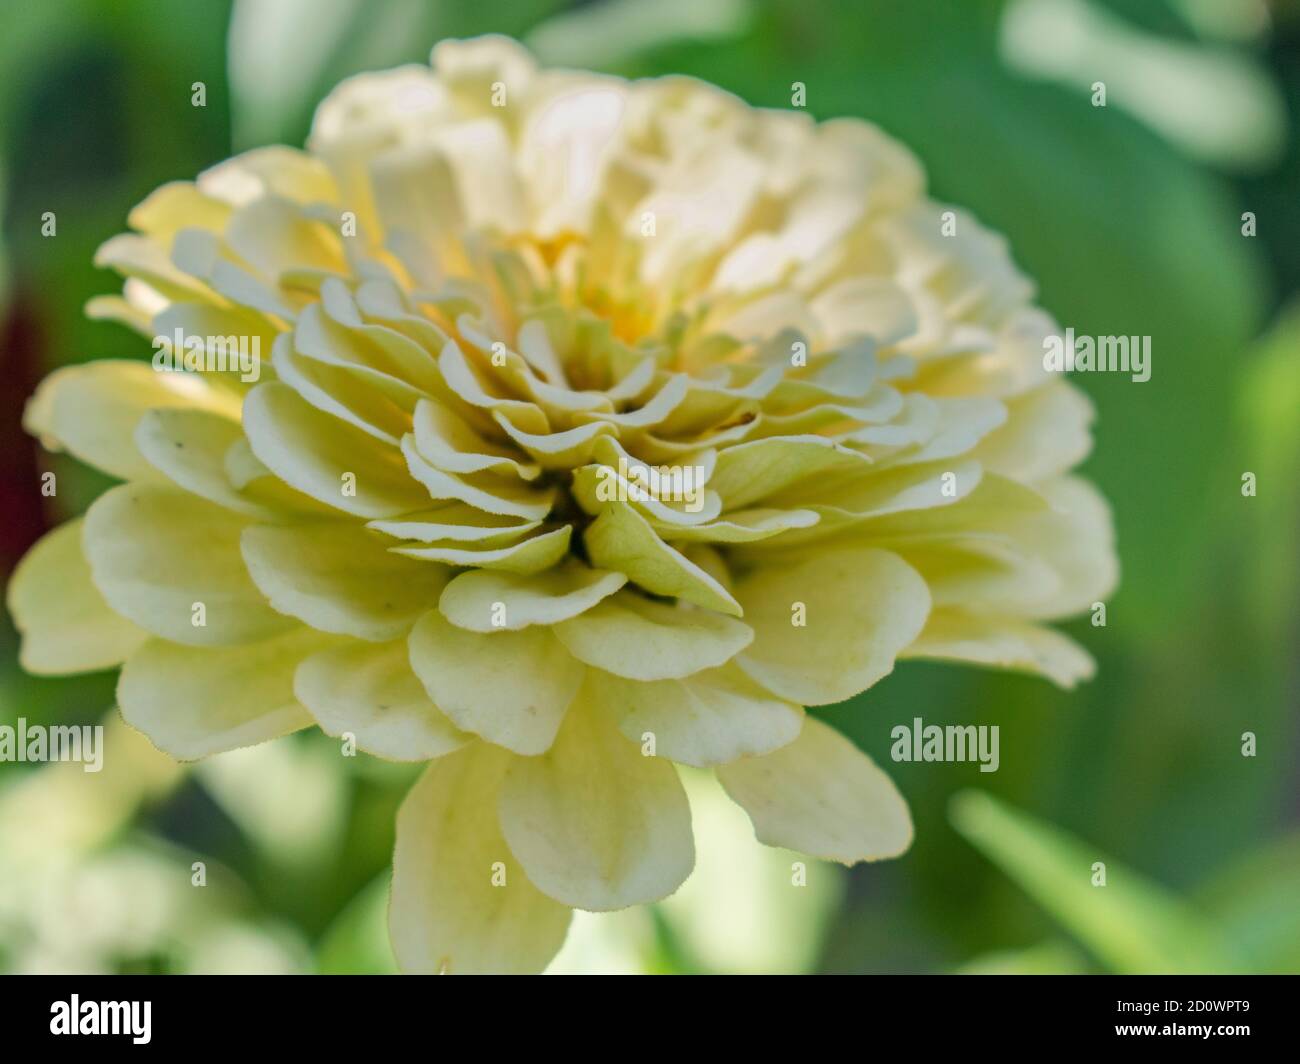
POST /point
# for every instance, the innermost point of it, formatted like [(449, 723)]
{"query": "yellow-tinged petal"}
[(594, 823), (743, 526), (951, 635), (822, 796), (831, 625), (66, 625), (709, 718), (174, 206), (1047, 432), (327, 458), (92, 411), (461, 904), (752, 471), (451, 444), (621, 540), (196, 701), (1078, 540), (170, 562), (485, 600), (493, 494), (369, 691), (531, 555), (189, 448), (456, 521), (641, 639), (511, 688), (887, 491), (274, 169), (340, 577)]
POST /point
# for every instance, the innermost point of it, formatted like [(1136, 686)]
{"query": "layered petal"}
[(170, 562), (65, 624), (485, 600), (369, 691), (641, 639), (831, 626), (195, 701), (1003, 642), (709, 718), (461, 903), (822, 796), (594, 822), (338, 577), (92, 411), (512, 687)]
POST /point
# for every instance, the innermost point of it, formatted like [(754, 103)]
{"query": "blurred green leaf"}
[(1046, 958), (356, 943), (330, 40), (618, 29), (1214, 103), (1267, 409), (1257, 903), (1130, 924)]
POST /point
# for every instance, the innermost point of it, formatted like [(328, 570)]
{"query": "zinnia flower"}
[(504, 309)]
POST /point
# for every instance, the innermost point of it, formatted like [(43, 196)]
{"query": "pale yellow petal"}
[(485, 600), (170, 562), (196, 701), (831, 625), (709, 718), (511, 688), (822, 796), (636, 637), (92, 411), (340, 577), (531, 555), (621, 540), (65, 624), (595, 823), (461, 904), (369, 691), (1005, 643), (752, 471), (189, 447), (325, 457)]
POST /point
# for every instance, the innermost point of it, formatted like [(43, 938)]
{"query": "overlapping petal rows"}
[(488, 293)]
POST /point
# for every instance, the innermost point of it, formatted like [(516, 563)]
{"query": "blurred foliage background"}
[(1129, 218)]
